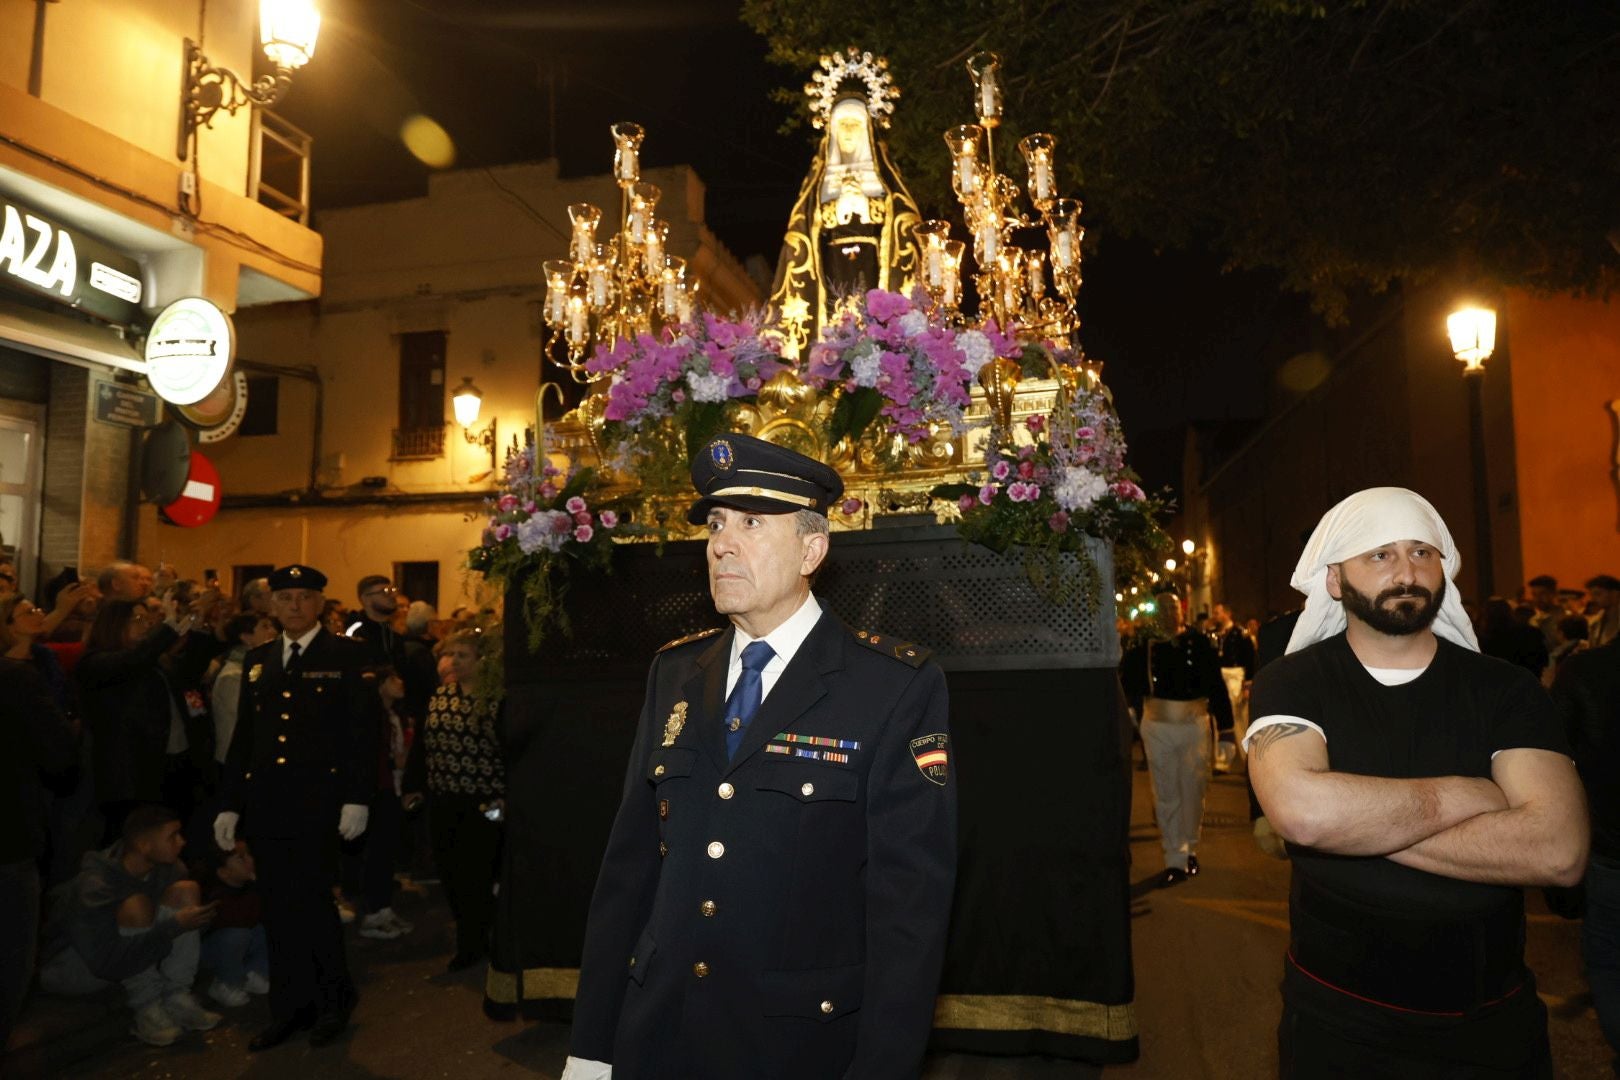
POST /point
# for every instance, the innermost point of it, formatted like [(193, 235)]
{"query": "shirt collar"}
[(302, 643), (785, 639)]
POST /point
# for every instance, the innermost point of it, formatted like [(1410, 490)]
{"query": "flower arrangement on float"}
[(669, 394), (1043, 497), (541, 523), (895, 360)]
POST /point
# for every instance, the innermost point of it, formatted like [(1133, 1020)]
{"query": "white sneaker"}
[(256, 983), (153, 1026), (377, 925), (184, 1010), (345, 911), (404, 926), (232, 997)]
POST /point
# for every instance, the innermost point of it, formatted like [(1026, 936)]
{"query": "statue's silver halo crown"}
[(839, 70)]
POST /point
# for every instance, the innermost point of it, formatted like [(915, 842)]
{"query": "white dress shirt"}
[(784, 641), (303, 643)]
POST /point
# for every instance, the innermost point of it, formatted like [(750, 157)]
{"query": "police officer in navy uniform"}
[(775, 892), (300, 769)]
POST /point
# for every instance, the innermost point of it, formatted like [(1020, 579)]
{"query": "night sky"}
[(511, 81)]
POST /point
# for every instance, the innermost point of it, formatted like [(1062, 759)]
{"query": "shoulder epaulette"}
[(699, 636), (906, 652)]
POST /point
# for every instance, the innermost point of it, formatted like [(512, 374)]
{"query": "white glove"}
[(352, 821), (225, 829), (583, 1069)]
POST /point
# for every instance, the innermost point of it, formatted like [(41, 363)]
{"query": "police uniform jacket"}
[(305, 740), (782, 914)]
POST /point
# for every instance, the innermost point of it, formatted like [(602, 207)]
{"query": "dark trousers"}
[(19, 939), (308, 968), (1600, 945), (370, 859), (467, 851)]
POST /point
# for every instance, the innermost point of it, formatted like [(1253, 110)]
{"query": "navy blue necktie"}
[(746, 695)]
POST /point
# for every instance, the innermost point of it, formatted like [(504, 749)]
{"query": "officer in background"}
[(1175, 686), (299, 772), (775, 892)]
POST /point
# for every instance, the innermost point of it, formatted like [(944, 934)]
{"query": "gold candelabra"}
[(626, 286), (1011, 279)]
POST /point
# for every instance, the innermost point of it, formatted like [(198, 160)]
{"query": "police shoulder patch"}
[(906, 652), (689, 638)]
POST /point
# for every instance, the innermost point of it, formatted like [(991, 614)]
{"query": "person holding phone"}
[(456, 766)]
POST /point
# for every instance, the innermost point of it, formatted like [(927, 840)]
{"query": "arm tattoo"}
[(1272, 734)]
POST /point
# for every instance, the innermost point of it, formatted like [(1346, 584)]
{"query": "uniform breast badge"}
[(676, 721), (254, 672)]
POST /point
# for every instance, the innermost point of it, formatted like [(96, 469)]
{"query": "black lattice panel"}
[(975, 609)]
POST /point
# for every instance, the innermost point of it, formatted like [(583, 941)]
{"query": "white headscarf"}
[(1366, 520)]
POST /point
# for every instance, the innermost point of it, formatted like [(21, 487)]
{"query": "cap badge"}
[(720, 453), (295, 572), (676, 721)]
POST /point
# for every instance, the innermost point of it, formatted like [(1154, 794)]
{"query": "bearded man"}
[(1420, 786)]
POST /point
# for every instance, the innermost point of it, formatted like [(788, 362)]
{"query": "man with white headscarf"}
[(1420, 786)]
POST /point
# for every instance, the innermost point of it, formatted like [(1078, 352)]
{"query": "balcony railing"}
[(278, 165), (418, 444)]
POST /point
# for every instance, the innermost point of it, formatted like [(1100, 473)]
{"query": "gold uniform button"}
[(826, 1007), (284, 716), (700, 969), (281, 738), (716, 850), (807, 790), (727, 791), (632, 961), (708, 908), (281, 761), (286, 693), (659, 771)]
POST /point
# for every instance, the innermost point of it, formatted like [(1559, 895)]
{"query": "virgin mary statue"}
[(852, 225)]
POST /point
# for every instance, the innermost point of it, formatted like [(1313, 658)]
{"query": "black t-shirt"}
[(1449, 721)]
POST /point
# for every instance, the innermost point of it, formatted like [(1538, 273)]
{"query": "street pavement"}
[(1208, 957)]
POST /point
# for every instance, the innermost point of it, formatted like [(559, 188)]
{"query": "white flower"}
[(977, 348), (1078, 488), (707, 387), (912, 323), (540, 532), (866, 369)]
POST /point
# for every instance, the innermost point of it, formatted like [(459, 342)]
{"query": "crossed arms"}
[(1525, 826)]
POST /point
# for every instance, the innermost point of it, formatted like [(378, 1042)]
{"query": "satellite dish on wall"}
[(165, 462)]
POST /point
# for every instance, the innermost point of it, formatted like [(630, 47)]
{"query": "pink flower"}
[(1085, 433), (1001, 470), (1026, 468), (583, 534), (987, 493), (851, 505), (1036, 424), (884, 306), (1059, 522), (529, 507), (678, 396), (608, 518), (1129, 491), (507, 503), (574, 505), (503, 532), (752, 384), (1025, 451), (582, 518), (966, 503), (548, 491)]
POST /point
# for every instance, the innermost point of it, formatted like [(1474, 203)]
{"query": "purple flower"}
[(608, 518), (1001, 469), (752, 384), (575, 505), (548, 491), (503, 532), (966, 503), (529, 506), (1059, 522), (583, 534), (851, 505), (884, 306), (987, 494)]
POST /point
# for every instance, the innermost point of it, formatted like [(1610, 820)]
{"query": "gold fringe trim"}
[(1020, 1012), (501, 986)]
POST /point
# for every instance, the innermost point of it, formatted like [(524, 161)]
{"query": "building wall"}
[(1565, 381)]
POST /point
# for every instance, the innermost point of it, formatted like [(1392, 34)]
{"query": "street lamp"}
[(1188, 547), (287, 32), (1473, 339), (467, 400)]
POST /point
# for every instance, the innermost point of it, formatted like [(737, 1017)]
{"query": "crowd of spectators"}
[(120, 703)]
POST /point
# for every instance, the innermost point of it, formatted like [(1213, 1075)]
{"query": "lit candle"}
[(989, 242), (989, 94), (576, 320), (1033, 275), (598, 284)]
